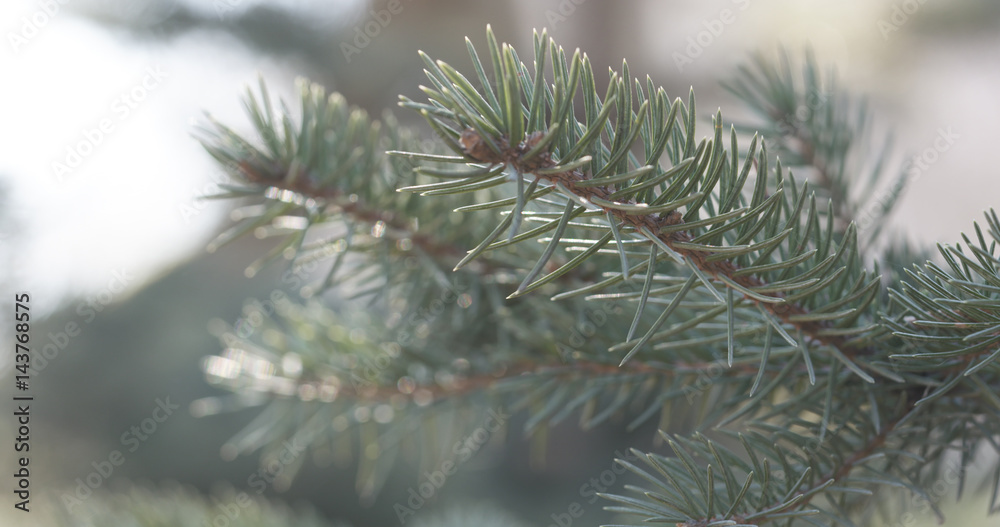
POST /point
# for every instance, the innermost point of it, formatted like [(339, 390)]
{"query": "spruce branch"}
[(679, 242), (752, 301), (950, 316), (948, 397), (327, 169), (687, 211), (350, 211), (831, 462), (814, 125), (730, 244)]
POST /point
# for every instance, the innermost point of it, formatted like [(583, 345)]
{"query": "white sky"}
[(130, 206)]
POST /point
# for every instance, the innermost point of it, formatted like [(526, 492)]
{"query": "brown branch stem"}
[(786, 311)]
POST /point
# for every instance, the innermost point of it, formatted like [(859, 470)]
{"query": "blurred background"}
[(100, 179)]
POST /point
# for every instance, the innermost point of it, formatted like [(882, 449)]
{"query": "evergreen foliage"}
[(605, 256), (173, 505)]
